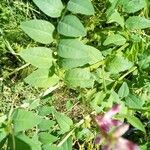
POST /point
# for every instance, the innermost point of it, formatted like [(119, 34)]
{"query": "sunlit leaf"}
[(71, 26), (38, 56), (79, 78), (23, 120), (52, 8), (39, 30), (81, 6), (42, 78)]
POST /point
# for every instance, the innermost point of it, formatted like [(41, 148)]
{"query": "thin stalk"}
[(13, 72)]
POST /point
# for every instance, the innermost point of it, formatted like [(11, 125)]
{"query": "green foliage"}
[(71, 26), (96, 54), (24, 120), (115, 39), (137, 23), (79, 78), (42, 78), (39, 30), (40, 57), (83, 7), (51, 8)]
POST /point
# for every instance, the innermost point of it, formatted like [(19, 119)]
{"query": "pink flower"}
[(105, 121), (111, 138)]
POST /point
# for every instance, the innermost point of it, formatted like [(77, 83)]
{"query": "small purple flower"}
[(111, 138)]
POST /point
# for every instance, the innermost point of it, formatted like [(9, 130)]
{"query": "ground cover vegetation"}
[(74, 74)]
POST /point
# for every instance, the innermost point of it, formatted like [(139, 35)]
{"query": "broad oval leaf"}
[(81, 6), (77, 54), (52, 8), (94, 54), (124, 90), (39, 30), (47, 138), (69, 63), (118, 64), (38, 56), (134, 102), (79, 78), (23, 142), (46, 124), (132, 6), (137, 23), (23, 120), (115, 39), (72, 48), (42, 78), (134, 121), (64, 122), (71, 26), (116, 17)]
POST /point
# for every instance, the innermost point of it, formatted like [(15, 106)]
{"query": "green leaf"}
[(39, 30), (3, 134), (49, 147), (115, 39), (71, 26), (52, 8), (137, 23), (79, 78), (67, 145), (41, 78), (38, 56), (45, 110), (115, 17), (64, 122), (23, 120), (134, 121), (46, 124), (81, 6), (134, 102), (94, 54), (69, 63), (25, 143), (118, 64), (72, 48), (77, 54), (132, 6), (47, 138), (124, 90)]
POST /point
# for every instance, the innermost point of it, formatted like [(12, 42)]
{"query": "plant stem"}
[(16, 70)]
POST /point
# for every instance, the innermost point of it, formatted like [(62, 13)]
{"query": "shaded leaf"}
[(25, 143)]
